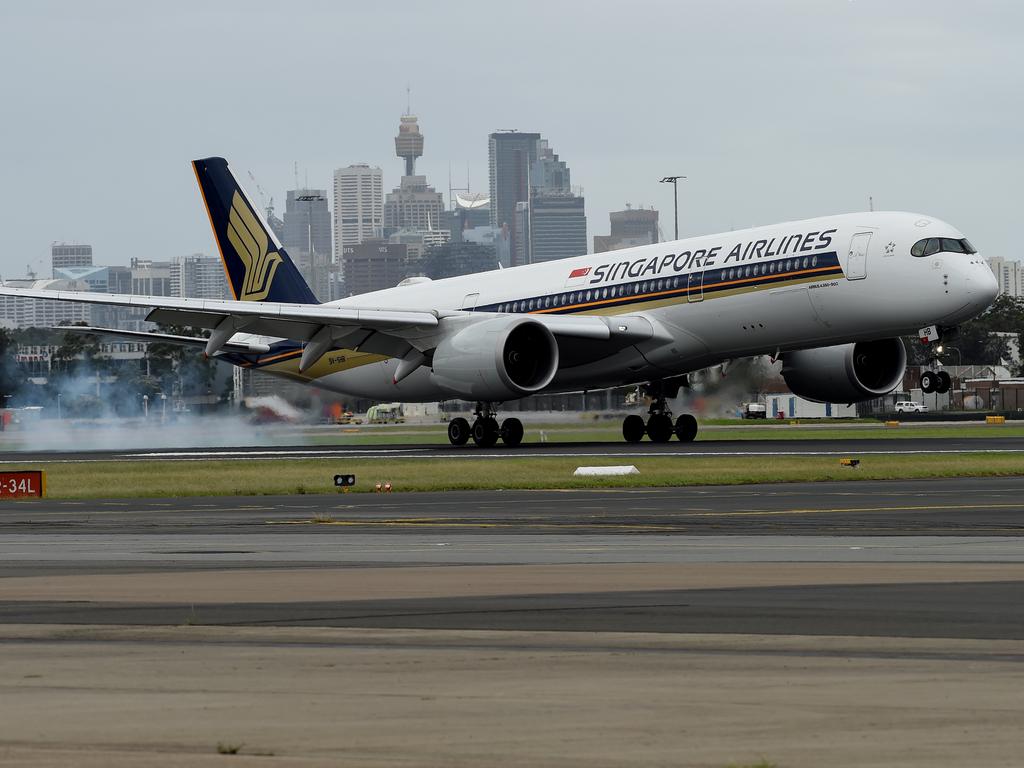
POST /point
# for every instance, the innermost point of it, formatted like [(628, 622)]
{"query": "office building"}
[(629, 228), (557, 226), (469, 211), (533, 200), (358, 205), (1009, 274), (417, 241), (306, 235), (307, 222), (21, 312), (65, 255), (372, 266), (510, 157), (151, 278), (198, 277), (454, 259)]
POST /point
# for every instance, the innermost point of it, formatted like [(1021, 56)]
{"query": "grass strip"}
[(249, 477)]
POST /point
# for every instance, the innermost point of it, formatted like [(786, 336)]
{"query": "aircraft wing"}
[(168, 338), (390, 332)]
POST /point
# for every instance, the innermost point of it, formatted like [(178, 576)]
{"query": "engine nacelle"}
[(846, 373), (494, 360)]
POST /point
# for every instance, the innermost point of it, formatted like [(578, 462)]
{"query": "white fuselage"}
[(757, 291)]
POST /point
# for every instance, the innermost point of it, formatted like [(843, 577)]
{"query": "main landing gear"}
[(485, 430), (659, 426)]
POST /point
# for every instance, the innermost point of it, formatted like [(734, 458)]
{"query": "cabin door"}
[(695, 284), (857, 258)]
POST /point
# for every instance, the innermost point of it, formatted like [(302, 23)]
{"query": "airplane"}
[(830, 296)]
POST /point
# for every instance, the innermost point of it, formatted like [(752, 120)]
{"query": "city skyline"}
[(765, 138)]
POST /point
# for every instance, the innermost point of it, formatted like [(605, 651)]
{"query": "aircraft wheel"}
[(485, 432), (633, 429), (686, 428), (512, 432), (659, 428), (928, 382), (458, 431), (944, 382)]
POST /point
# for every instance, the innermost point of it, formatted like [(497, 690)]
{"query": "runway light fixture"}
[(344, 481)]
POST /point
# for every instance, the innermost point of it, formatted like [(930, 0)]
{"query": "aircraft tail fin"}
[(257, 266)]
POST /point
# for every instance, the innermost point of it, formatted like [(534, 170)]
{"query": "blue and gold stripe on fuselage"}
[(655, 292)]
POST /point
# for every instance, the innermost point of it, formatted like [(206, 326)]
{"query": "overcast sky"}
[(775, 110)]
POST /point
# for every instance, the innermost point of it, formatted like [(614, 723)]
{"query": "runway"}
[(966, 507), (721, 623), (784, 447)]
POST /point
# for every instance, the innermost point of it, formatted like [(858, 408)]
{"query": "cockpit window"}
[(933, 245)]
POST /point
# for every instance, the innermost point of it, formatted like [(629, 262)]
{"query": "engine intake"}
[(846, 373), (494, 360)]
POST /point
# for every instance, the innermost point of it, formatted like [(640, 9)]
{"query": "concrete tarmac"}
[(987, 506), (857, 624)]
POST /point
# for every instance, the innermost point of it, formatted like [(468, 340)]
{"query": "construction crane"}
[(268, 203)]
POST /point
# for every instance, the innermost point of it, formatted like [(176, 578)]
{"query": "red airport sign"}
[(23, 485)]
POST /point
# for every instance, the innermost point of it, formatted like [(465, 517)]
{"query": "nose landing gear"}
[(935, 381), (485, 429)]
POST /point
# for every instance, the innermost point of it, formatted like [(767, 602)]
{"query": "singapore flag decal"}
[(577, 277)]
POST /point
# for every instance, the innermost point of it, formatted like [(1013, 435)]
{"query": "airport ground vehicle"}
[(755, 411), (830, 296), (385, 413), (909, 406)]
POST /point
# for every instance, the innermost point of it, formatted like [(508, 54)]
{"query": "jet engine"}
[(495, 360), (846, 373)]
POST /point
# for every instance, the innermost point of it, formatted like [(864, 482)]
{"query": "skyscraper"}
[(510, 157), (306, 234), (358, 205), (70, 255), (413, 205), (532, 197), (307, 222)]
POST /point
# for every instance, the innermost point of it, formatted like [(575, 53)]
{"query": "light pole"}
[(60, 417), (674, 181)]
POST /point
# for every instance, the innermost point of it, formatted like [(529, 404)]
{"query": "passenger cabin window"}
[(933, 245)]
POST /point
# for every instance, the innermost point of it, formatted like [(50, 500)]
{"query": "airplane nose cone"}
[(986, 286)]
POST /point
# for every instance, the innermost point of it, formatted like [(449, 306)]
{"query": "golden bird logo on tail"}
[(252, 246)]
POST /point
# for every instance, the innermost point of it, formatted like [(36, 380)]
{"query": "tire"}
[(659, 428), (686, 428), (485, 432), (928, 382), (512, 432), (458, 431), (633, 429), (944, 382)]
